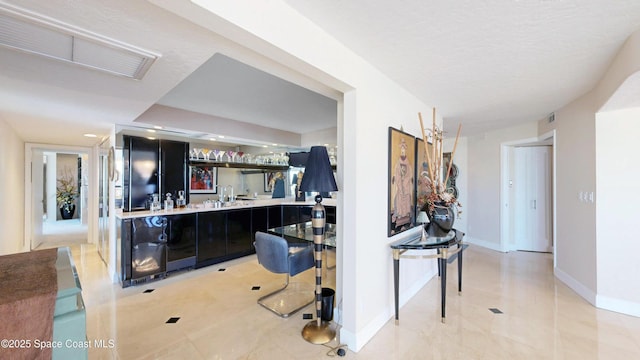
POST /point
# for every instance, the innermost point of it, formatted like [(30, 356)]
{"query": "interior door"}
[(532, 198), (103, 208), (37, 197)]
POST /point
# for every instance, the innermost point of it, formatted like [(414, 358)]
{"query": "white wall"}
[(575, 220), (618, 190), (371, 103), (320, 137), (579, 237), (12, 190), (484, 195)]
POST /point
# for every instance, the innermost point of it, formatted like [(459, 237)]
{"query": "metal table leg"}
[(396, 282)]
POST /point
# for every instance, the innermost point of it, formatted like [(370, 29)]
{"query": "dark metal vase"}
[(66, 211), (441, 219)]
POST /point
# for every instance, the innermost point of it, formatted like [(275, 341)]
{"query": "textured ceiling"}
[(486, 63)]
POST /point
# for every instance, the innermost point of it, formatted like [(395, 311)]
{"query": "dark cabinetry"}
[(152, 167), (274, 216), (181, 241), (212, 237), (143, 249), (174, 169), (239, 232), (294, 214), (229, 234), (151, 246)]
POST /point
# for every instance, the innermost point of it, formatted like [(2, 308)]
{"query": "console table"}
[(442, 245)]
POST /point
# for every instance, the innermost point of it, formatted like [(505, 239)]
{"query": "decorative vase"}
[(441, 219), (67, 210)]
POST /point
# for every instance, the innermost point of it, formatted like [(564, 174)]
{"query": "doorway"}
[(57, 175), (531, 188), (528, 220)]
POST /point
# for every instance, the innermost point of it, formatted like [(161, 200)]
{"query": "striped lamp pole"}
[(318, 177), (318, 331)]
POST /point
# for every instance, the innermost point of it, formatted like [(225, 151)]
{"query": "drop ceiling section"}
[(227, 97)]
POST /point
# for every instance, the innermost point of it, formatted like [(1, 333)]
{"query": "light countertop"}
[(239, 204)]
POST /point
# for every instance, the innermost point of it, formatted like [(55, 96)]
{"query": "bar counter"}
[(239, 204)]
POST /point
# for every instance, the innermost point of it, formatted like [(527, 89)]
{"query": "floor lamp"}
[(318, 177)]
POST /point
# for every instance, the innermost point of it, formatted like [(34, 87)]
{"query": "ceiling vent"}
[(36, 34), (551, 118)]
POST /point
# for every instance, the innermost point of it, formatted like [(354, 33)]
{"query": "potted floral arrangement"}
[(66, 194), (440, 203)]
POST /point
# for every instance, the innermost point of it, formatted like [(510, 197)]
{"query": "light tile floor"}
[(219, 317)]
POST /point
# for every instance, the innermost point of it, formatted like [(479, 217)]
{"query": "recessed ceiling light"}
[(158, 127), (212, 139), (264, 145), (151, 130), (221, 136), (91, 135), (151, 138)]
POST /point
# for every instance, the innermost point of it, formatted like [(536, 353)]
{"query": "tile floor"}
[(219, 318)]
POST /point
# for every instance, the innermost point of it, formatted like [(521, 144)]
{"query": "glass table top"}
[(428, 242), (304, 231)]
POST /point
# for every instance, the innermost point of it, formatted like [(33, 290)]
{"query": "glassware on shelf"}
[(206, 153), (238, 157), (217, 154), (195, 153), (247, 158), (230, 155)]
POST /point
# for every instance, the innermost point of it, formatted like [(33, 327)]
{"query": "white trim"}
[(485, 244), (618, 305), (92, 221), (576, 286), (504, 190)]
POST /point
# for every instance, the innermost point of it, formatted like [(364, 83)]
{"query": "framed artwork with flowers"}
[(401, 180)]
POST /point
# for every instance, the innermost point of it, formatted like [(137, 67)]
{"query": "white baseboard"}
[(355, 341), (617, 305), (576, 286), (486, 244), (600, 301)]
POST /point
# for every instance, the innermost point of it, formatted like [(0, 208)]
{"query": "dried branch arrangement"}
[(433, 155)]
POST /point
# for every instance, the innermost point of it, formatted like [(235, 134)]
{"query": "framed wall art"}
[(203, 179), (423, 179), (401, 181), (269, 180), (453, 174)]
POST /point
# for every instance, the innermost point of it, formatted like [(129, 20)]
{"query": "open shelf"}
[(238, 165)]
